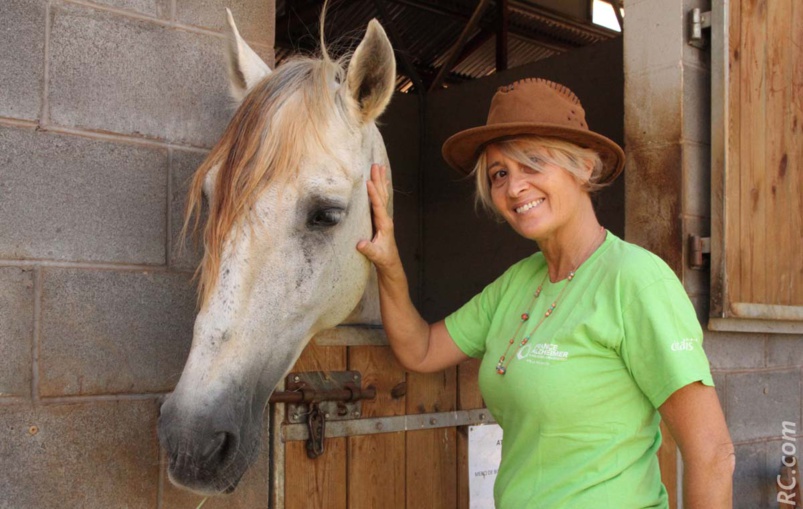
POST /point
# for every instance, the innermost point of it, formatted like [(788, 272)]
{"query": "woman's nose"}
[(516, 183)]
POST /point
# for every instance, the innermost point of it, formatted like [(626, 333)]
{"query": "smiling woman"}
[(578, 341)]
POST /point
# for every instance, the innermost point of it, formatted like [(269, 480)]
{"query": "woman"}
[(586, 344)]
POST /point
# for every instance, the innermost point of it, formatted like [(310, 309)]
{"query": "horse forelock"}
[(283, 117)]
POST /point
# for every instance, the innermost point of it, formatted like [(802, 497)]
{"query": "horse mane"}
[(284, 115)]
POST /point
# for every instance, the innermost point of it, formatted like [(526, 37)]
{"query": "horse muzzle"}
[(207, 454)]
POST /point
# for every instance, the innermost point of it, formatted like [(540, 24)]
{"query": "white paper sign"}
[(484, 455)]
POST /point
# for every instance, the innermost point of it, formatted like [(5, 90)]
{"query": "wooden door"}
[(386, 470), (757, 166)]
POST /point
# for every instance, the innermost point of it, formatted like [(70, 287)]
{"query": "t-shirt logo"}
[(545, 351), (684, 345)]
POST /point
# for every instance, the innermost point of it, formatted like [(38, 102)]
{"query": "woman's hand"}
[(381, 250)]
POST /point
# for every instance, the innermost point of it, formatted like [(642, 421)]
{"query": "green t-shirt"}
[(578, 402)]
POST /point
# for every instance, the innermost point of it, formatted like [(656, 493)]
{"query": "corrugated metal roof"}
[(426, 31)]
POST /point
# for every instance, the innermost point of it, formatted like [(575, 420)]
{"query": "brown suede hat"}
[(539, 107)]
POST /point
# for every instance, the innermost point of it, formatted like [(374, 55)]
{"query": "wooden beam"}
[(399, 47), (503, 15), (473, 45), (458, 47), (426, 6)]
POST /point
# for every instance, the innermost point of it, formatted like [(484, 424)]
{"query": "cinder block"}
[(187, 255), (93, 456), (653, 35), (653, 110), (16, 331), (108, 332), (255, 18), (70, 198), (251, 493), (22, 51), (758, 403), (785, 350), (129, 76), (697, 105), (696, 179), (752, 479), (732, 350), (155, 8), (652, 201)]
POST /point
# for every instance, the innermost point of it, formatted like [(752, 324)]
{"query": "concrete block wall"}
[(106, 109), (668, 188)]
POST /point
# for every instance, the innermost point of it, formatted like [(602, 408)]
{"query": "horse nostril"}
[(221, 448)]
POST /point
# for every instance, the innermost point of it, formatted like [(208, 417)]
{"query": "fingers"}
[(379, 194)]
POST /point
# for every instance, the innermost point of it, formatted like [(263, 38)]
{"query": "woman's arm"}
[(695, 419), (417, 345)]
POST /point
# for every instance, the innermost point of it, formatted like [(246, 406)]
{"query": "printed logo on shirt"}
[(544, 351), (684, 345)]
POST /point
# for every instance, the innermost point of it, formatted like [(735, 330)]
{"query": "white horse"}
[(286, 186)]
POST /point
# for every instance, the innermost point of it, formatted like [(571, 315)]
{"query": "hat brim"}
[(462, 149)]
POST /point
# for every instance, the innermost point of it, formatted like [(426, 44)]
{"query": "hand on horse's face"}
[(381, 250)]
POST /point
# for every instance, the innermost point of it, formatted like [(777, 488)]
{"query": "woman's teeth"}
[(528, 206)]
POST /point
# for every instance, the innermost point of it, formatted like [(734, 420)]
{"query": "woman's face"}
[(537, 199)]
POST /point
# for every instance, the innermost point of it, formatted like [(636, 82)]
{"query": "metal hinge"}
[(698, 246), (698, 20), (313, 398)]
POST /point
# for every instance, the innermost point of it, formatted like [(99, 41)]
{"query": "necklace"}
[(504, 360)]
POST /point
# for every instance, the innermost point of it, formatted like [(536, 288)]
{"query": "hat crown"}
[(537, 100)]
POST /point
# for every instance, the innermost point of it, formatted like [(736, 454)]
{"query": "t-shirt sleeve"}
[(663, 341), (469, 325)]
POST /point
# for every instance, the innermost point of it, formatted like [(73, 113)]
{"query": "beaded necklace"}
[(504, 361)]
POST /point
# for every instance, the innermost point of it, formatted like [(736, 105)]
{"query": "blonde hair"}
[(564, 154)]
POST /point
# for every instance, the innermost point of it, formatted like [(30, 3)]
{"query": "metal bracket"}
[(698, 246), (698, 20), (316, 397)]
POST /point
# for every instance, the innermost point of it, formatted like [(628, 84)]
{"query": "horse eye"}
[(325, 218)]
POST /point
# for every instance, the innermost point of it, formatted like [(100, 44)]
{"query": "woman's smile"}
[(521, 209)]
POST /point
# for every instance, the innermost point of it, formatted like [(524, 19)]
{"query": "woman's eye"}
[(325, 218), (498, 176)]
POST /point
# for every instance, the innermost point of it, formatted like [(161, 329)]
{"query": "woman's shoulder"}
[(631, 261), (523, 269)]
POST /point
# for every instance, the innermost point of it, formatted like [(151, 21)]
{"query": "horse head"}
[(287, 206)]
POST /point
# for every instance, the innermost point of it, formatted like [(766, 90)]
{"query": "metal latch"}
[(317, 396), (698, 20), (698, 246)]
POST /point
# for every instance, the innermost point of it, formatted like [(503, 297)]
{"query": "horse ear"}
[(246, 69), (371, 74)]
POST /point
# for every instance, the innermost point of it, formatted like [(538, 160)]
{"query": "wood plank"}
[(376, 467), (753, 150), (767, 311), (732, 180), (777, 124), (431, 454), (318, 483), (796, 155), (468, 397)]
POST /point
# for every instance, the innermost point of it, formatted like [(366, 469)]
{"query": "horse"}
[(286, 188)]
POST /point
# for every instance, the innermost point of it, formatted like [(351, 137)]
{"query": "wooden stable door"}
[(385, 470)]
